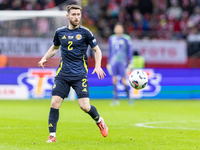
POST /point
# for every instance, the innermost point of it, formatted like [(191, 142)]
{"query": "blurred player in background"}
[(137, 62), (72, 71), (3, 60), (118, 58)]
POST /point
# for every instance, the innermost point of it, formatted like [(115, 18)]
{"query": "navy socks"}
[(53, 119), (115, 91), (93, 113), (127, 91)]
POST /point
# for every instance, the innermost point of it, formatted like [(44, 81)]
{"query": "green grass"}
[(175, 126)]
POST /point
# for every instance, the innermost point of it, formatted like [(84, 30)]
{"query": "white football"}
[(138, 79)]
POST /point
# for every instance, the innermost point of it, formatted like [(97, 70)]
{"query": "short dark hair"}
[(119, 23), (73, 6), (136, 53)]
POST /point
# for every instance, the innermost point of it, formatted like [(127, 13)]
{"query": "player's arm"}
[(50, 53), (108, 66), (129, 57), (109, 49), (98, 56), (129, 51)]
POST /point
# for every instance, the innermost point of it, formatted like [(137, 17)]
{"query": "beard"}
[(74, 23)]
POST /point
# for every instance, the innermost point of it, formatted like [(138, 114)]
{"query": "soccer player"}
[(137, 61), (72, 71), (118, 58)]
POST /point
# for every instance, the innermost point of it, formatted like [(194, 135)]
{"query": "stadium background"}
[(166, 32)]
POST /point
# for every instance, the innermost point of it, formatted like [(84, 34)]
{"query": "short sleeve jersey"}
[(74, 44), (119, 49)]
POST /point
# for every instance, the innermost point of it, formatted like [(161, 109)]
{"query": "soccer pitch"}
[(147, 125)]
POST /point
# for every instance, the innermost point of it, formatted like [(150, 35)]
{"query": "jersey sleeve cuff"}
[(56, 47)]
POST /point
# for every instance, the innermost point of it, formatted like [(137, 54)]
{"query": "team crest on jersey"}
[(79, 36), (70, 37)]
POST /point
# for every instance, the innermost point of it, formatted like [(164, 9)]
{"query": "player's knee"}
[(124, 81), (85, 107), (114, 79), (56, 102), (84, 104), (53, 104)]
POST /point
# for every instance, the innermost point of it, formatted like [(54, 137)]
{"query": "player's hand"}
[(99, 71), (41, 63), (129, 68)]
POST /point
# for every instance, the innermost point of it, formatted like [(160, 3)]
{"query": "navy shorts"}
[(62, 86)]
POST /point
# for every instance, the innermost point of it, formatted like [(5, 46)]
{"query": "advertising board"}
[(35, 83)]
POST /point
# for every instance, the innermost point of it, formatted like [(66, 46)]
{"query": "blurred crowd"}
[(152, 19), (26, 4)]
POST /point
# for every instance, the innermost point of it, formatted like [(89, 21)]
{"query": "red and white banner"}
[(15, 46), (14, 92), (154, 51), (162, 51)]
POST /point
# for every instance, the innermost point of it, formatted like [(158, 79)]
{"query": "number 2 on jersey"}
[(70, 45)]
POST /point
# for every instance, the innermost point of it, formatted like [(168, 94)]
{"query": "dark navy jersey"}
[(74, 44)]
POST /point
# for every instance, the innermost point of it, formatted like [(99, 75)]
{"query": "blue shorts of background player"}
[(118, 69)]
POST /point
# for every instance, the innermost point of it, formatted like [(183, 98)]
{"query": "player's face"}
[(118, 29), (74, 17)]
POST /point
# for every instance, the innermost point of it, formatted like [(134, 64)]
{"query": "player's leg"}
[(115, 92), (127, 90), (53, 117), (122, 73), (125, 85), (60, 90), (92, 111), (115, 69), (82, 90)]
